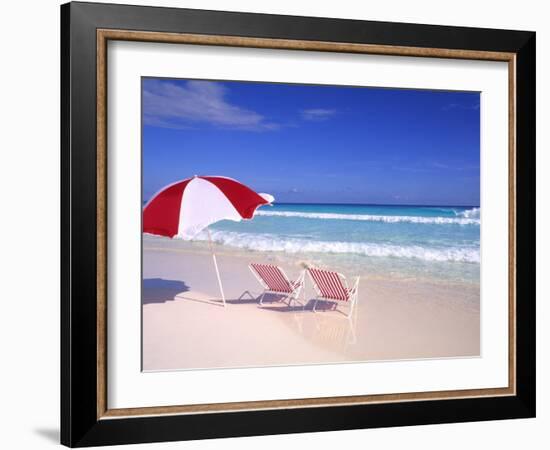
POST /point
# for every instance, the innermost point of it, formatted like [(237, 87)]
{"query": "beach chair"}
[(274, 281), (332, 287)]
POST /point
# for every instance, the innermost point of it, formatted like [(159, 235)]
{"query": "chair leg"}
[(302, 302), (246, 293), (262, 299), (296, 297)]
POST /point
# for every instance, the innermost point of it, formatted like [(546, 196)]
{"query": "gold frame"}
[(103, 36)]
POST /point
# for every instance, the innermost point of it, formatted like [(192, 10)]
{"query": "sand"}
[(185, 327)]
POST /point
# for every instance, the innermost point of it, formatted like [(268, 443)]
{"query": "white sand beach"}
[(184, 327)]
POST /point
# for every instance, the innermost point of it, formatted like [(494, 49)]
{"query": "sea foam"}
[(468, 217), (473, 213), (271, 243)]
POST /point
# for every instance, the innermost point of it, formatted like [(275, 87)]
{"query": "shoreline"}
[(395, 319), (383, 268)]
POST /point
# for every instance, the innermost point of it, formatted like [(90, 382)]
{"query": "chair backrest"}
[(329, 284), (273, 277)]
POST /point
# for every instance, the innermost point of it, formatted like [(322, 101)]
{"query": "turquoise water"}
[(407, 241)]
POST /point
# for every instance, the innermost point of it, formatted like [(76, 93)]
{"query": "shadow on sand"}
[(158, 290), (279, 303), (248, 297)]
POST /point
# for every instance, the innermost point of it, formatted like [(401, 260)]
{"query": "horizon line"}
[(377, 204), (365, 204)]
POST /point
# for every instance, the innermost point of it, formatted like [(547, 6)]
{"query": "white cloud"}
[(317, 114), (170, 105)]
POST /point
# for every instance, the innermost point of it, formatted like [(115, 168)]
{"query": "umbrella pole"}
[(216, 265)]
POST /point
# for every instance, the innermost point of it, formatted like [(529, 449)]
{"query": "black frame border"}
[(79, 423)]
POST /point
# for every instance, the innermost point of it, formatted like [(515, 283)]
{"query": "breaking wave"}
[(473, 213), (468, 217), (273, 243)]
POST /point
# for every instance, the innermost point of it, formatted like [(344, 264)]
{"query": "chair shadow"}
[(158, 290), (242, 300), (321, 307), (274, 302), (247, 298), (284, 308), (324, 305)]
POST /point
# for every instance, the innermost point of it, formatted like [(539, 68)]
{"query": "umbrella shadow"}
[(159, 290)]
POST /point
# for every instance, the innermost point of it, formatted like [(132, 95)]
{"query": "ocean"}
[(436, 243)]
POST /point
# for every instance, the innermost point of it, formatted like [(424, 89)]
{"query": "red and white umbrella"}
[(183, 209)]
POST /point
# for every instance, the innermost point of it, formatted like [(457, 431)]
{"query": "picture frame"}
[(86, 418)]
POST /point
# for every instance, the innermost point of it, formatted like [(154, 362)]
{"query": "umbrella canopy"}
[(186, 207), (183, 209)]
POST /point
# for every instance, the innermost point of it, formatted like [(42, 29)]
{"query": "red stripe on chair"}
[(272, 277), (279, 281), (329, 284)]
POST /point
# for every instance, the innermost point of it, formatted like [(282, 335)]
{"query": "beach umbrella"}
[(185, 208)]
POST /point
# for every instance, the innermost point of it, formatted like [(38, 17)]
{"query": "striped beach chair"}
[(332, 287), (274, 281)]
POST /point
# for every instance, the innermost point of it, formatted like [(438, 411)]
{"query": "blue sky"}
[(314, 144)]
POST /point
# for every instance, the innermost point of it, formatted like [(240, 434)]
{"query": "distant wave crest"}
[(473, 213), (468, 217), (267, 242)]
